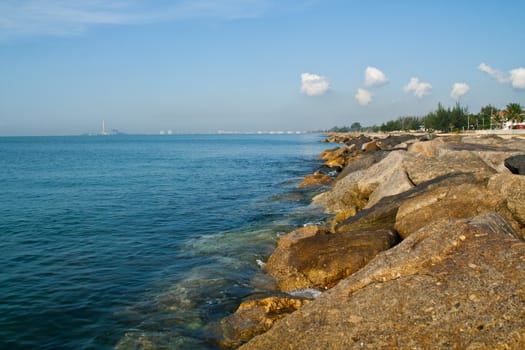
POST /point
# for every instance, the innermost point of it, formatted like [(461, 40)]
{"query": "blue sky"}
[(243, 65)]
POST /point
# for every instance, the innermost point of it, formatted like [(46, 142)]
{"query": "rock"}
[(512, 188), (335, 158), (355, 189), (254, 317), (494, 223), (315, 179), (287, 240), (516, 164), (456, 284), (396, 183), (395, 141), (426, 148), (370, 146), (320, 260), (333, 153), (361, 161), (456, 201), (421, 168), (383, 213)]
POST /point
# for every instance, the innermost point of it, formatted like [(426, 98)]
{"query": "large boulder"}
[(395, 141), (255, 317), (310, 258), (457, 201), (361, 161), (456, 284), (421, 168), (516, 164), (354, 190), (512, 188), (383, 213), (316, 179)]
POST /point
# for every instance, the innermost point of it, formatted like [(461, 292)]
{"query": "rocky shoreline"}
[(425, 248)]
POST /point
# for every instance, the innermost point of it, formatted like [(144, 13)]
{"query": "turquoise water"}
[(137, 242)]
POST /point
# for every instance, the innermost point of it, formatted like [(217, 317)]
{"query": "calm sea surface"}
[(140, 242)]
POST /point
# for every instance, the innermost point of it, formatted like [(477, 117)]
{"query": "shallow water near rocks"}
[(137, 242)]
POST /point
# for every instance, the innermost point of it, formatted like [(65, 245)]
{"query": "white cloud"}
[(364, 97), (496, 74), (419, 88), (313, 84), (517, 78), (458, 90), (374, 77), (70, 17)]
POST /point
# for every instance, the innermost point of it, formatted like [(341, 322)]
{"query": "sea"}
[(142, 242)]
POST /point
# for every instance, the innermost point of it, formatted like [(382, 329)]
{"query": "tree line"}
[(449, 119)]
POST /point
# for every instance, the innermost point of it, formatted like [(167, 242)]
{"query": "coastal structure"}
[(424, 250)]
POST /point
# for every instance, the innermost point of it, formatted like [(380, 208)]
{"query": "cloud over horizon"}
[(458, 90), (314, 85), (363, 97), (419, 88), (516, 77), (374, 77)]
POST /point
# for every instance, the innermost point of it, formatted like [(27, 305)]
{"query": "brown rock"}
[(457, 201), (334, 153), (321, 260), (512, 188), (421, 168), (355, 189), (451, 285), (315, 179), (370, 146), (397, 182), (383, 213), (426, 148), (361, 161), (395, 141), (338, 162), (254, 317)]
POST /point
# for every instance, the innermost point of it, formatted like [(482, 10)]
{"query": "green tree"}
[(356, 126), (487, 115), (513, 112)]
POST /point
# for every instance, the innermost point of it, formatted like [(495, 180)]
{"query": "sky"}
[(246, 65)]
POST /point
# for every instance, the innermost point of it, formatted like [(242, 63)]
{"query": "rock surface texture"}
[(321, 260), (450, 285), (456, 280)]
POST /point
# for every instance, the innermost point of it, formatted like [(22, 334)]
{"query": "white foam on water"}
[(260, 263)]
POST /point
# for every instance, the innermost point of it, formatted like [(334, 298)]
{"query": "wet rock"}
[(457, 201), (335, 158), (516, 164), (316, 179), (334, 153), (320, 260), (255, 317), (453, 284)]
